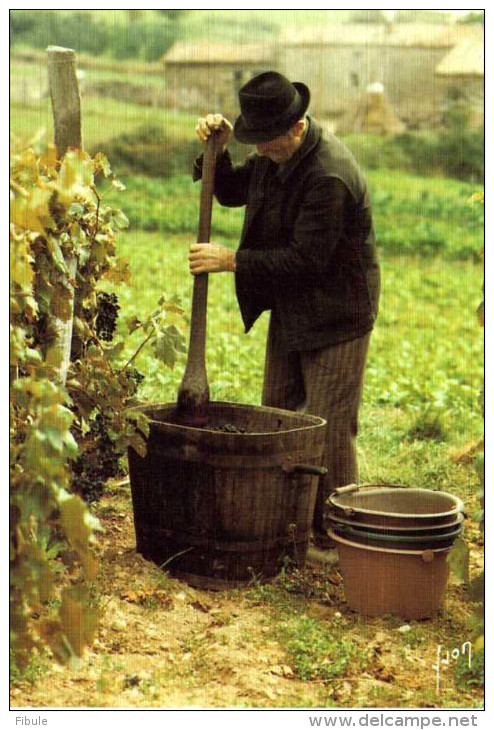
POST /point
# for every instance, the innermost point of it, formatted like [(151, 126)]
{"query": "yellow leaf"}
[(51, 632), (75, 170), (49, 158), (79, 622), (28, 167), (21, 271), (79, 526), (479, 643), (33, 212), (120, 273)]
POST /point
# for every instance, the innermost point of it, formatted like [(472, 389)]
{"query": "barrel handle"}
[(312, 469)]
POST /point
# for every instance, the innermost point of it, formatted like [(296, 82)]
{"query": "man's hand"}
[(207, 258), (217, 123)]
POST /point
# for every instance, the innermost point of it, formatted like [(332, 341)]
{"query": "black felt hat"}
[(270, 105)]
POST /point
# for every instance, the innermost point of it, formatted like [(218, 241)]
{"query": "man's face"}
[(281, 148)]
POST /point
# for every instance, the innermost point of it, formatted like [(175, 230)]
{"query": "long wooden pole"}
[(66, 106), (193, 394)]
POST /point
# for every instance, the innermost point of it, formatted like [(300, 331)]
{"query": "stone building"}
[(339, 62), (461, 72), (205, 76)]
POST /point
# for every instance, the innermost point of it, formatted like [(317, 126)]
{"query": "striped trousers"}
[(326, 382)]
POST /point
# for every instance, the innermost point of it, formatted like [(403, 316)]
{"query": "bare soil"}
[(162, 643)]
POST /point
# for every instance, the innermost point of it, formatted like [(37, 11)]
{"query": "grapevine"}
[(67, 438)]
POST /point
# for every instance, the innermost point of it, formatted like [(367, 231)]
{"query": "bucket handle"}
[(356, 487), (348, 489), (312, 469)]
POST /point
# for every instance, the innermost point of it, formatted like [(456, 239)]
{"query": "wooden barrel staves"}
[(220, 505)]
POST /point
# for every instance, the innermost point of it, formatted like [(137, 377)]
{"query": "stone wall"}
[(207, 88)]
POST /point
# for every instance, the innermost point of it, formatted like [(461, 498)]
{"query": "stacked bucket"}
[(393, 542)]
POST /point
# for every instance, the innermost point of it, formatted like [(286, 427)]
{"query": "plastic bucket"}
[(395, 506), (383, 538), (403, 530), (380, 581)]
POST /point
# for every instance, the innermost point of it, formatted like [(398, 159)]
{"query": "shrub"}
[(148, 150), (80, 30), (145, 40), (76, 30), (456, 151), (461, 147)]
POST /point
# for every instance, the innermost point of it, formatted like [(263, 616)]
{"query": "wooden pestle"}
[(193, 394)]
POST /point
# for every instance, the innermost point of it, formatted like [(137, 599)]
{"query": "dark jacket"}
[(307, 249)]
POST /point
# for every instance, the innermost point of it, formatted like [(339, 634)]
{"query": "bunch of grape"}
[(97, 463), (106, 316), (90, 489), (107, 456), (134, 376), (228, 428)]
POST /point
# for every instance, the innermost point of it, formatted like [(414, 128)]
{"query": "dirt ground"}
[(162, 643)]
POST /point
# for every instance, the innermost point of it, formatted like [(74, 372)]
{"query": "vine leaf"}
[(75, 177), (75, 628), (79, 622), (32, 213), (119, 273), (21, 260), (101, 162), (458, 560), (56, 254), (78, 526)]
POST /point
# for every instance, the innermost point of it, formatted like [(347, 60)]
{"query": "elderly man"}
[(307, 253)]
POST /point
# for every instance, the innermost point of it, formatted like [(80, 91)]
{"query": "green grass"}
[(103, 119), (313, 649), (38, 75), (413, 215), (425, 216)]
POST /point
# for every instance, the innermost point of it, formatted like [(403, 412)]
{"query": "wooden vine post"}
[(66, 107)]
